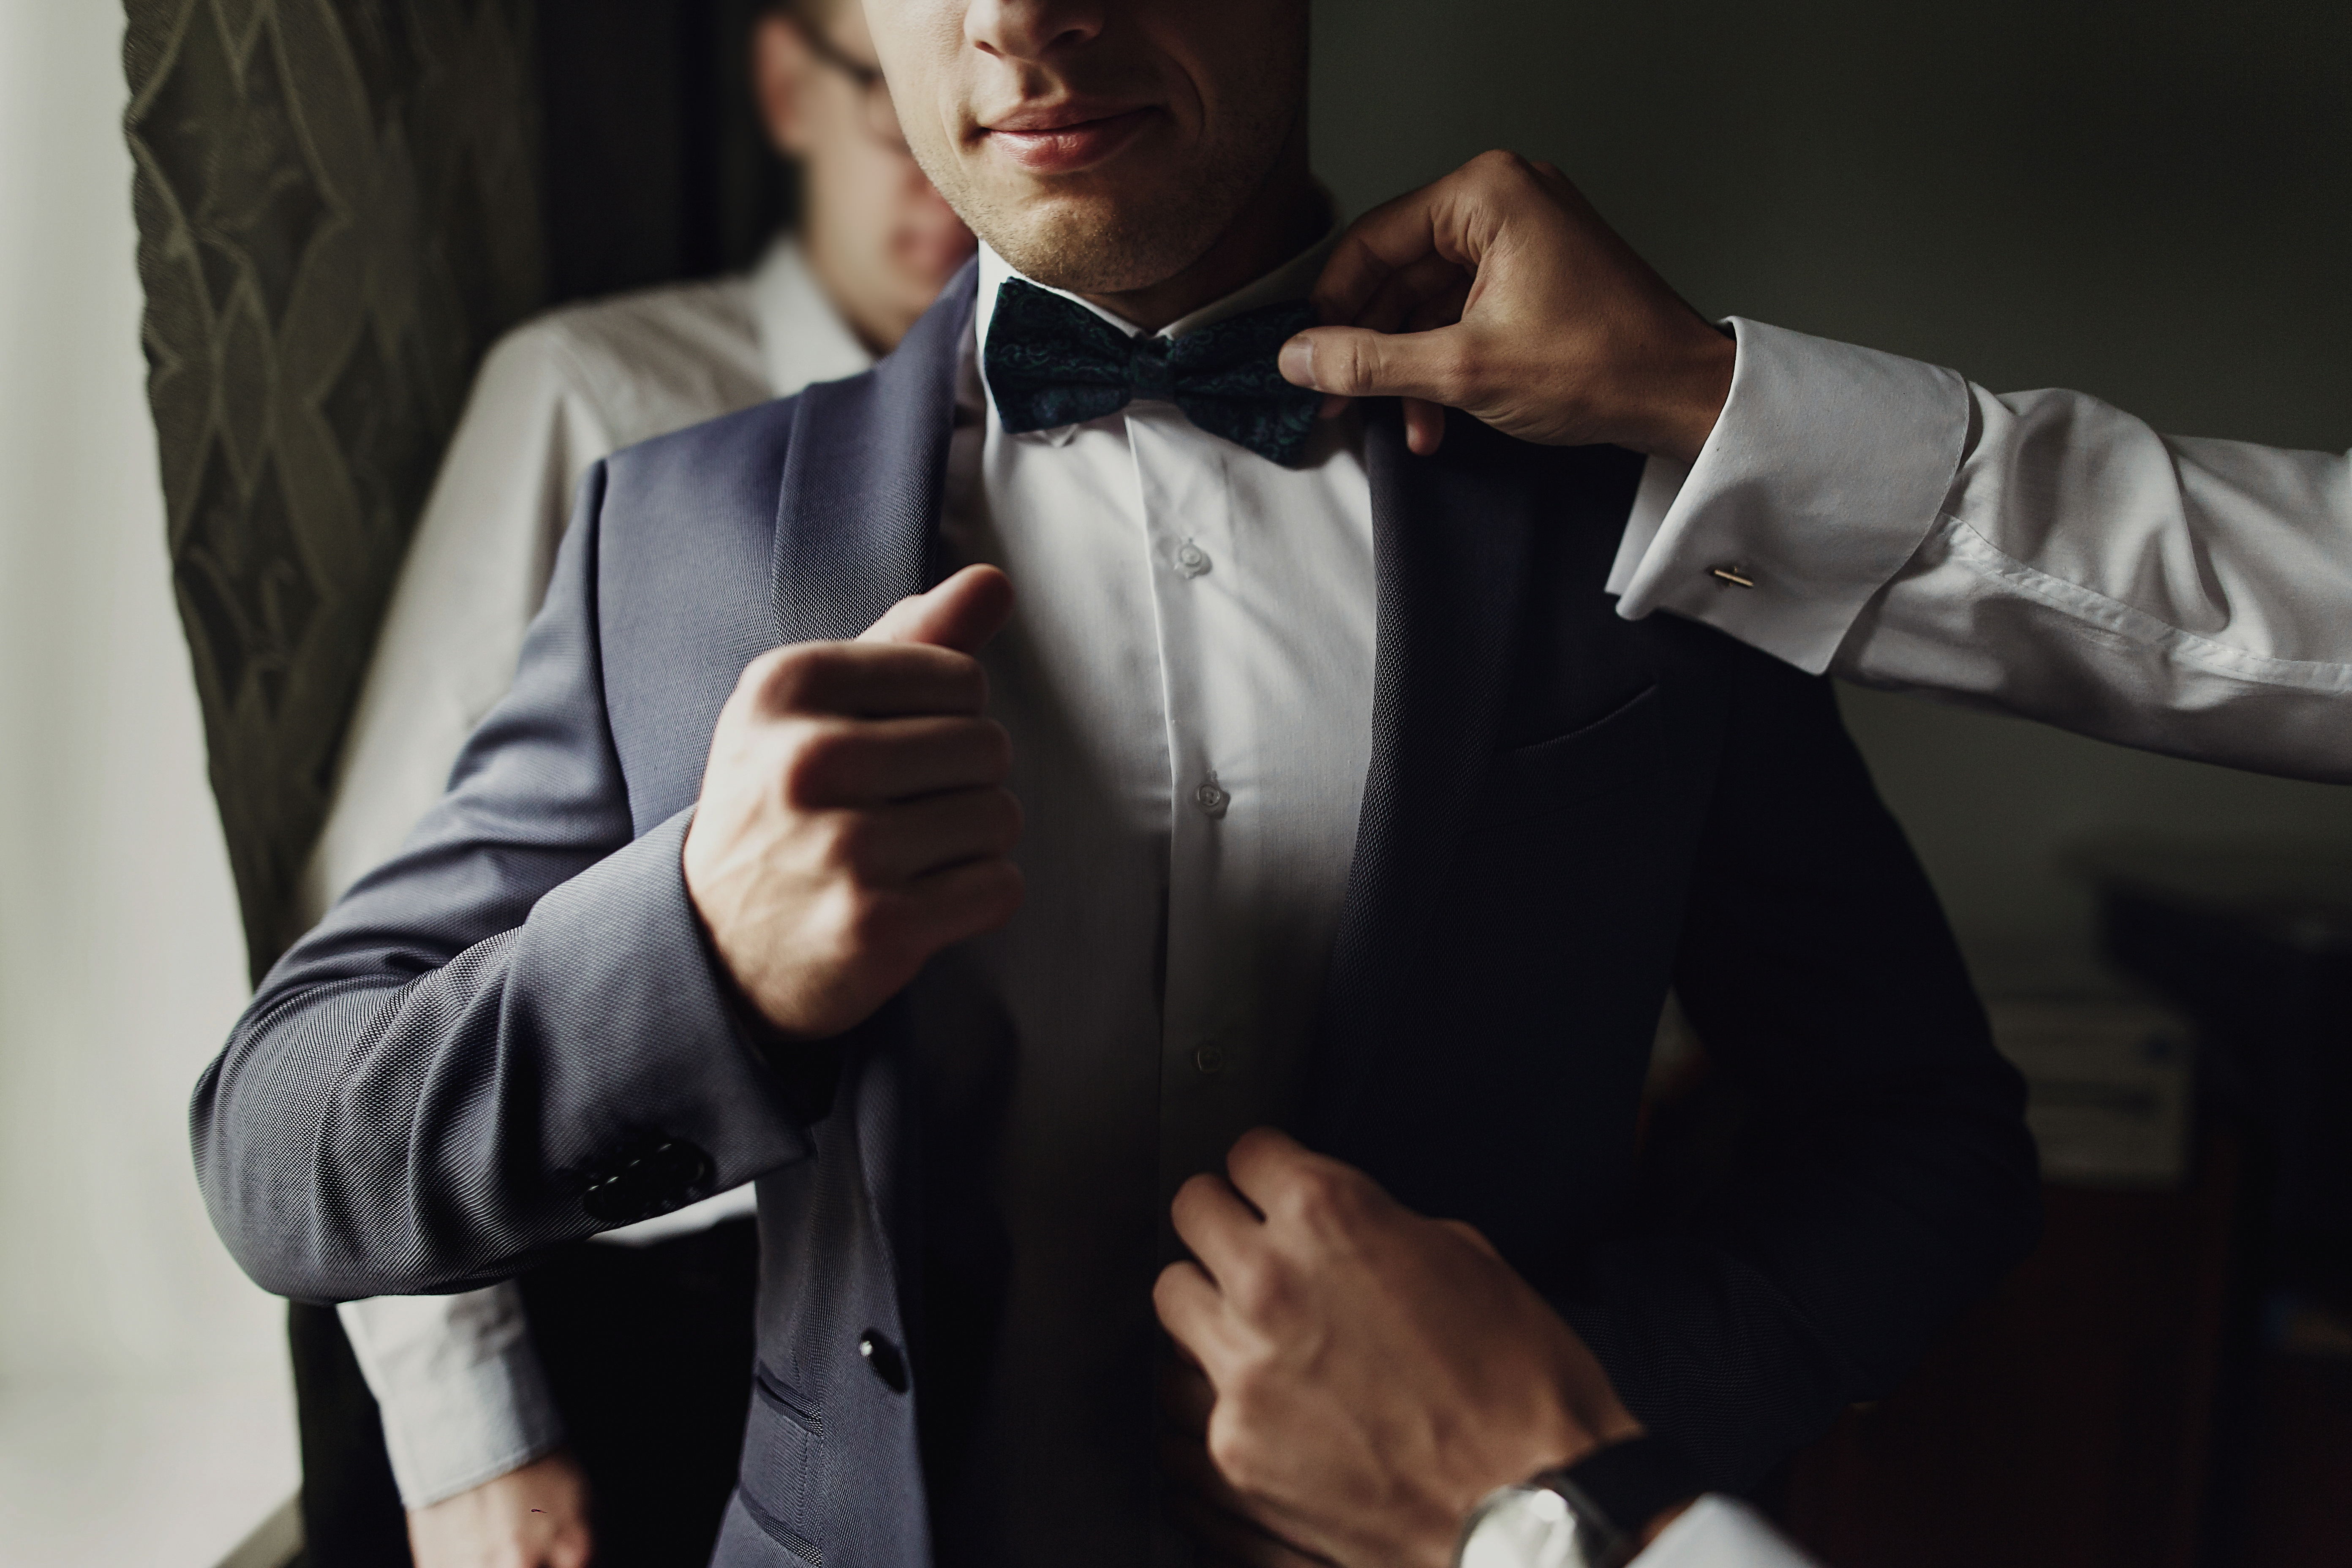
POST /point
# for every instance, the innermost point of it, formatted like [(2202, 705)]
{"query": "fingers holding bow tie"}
[(1499, 290)]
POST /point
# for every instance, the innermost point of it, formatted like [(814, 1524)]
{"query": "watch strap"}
[(1618, 1489)]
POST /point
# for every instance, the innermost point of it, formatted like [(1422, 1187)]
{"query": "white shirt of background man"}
[(462, 1391), (2041, 554)]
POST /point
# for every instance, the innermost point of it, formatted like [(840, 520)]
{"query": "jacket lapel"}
[(860, 497), (1449, 540), (859, 505)]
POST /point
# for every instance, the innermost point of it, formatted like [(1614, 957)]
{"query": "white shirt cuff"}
[(1828, 466), (735, 1202), (1722, 1532), (463, 1396)]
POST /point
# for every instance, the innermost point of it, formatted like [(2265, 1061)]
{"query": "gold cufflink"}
[(1733, 576)]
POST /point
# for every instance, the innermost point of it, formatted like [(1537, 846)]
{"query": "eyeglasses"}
[(881, 114)]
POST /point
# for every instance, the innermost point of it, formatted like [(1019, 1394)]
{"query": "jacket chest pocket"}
[(782, 1445), (1613, 754)]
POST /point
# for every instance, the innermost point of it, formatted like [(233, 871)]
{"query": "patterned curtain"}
[(338, 207)]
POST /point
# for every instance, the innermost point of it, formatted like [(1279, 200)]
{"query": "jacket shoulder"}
[(685, 543), (689, 519)]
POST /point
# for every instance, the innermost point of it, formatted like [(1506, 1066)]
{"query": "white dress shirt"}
[(1714, 1532), (463, 1396), (1187, 683), (2040, 553), (1721, 1532)]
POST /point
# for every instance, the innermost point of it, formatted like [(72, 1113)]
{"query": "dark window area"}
[(653, 164)]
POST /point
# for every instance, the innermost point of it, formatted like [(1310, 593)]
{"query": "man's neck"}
[(1288, 213)]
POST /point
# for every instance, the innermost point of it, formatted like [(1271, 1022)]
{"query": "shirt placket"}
[(1208, 1049)]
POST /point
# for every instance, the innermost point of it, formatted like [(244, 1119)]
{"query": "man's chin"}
[(1092, 244)]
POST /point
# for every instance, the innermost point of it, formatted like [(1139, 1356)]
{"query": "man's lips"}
[(1067, 139)]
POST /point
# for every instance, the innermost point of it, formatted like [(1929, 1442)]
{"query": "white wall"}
[(142, 1390)]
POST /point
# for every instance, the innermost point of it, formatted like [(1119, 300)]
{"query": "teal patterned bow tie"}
[(1052, 363)]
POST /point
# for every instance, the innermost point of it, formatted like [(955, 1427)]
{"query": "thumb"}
[(1353, 361), (961, 613)]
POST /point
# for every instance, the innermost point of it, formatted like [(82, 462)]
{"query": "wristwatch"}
[(1590, 1514)]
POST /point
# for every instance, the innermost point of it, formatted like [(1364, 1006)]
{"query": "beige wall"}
[(2147, 199), (119, 963), (143, 1410)]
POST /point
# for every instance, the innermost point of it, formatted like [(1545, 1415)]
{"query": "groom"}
[(1305, 781)]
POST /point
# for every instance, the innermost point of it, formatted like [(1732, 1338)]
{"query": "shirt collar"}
[(802, 338)]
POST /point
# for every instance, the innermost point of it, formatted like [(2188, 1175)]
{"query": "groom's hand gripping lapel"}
[(854, 819)]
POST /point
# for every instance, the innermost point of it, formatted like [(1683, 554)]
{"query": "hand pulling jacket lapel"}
[(860, 497), (1449, 540)]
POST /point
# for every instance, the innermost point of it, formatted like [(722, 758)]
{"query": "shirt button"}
[(1212, 798), (1191, 561), (1210, 1058)]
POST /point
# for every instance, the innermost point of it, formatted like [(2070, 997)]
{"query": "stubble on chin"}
[(1103, 247)]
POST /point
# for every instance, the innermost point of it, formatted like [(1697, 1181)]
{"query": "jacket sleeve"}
[(1884, 1178), (2040, 553), (511, 1035), (459, 1385)]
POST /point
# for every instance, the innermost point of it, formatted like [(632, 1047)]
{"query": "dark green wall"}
[(2149, 201)]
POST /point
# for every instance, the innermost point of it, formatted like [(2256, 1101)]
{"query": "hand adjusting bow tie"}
[(1052, 363)]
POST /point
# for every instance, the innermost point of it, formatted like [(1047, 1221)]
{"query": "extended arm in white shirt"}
[(1720, 1533), (2040, 553), (1715, 1531)]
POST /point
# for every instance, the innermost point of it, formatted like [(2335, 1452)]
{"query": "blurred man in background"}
[(593, 1410)]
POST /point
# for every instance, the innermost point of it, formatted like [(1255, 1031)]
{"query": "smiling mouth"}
[(1050, 144)]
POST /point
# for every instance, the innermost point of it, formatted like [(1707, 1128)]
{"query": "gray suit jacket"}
[(514, 1035)]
